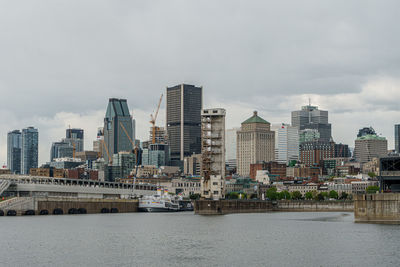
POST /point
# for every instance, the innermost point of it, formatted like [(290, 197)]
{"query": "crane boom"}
[(126, 132), (106, 149), (153, 120)]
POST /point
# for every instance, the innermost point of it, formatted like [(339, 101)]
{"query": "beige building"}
[(303, 188), (192, 165), (255, 143), (370, 146)]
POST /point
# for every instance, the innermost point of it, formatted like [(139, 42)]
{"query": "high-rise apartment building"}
[(310, 117), (286, 143), (184, 104), (156, 155), (255, 143), (370, 146), (213, 153), (397, 138), (14, 146), (117, 128), (75, 138), (30, 155)]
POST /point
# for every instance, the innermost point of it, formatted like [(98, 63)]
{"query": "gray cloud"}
[(68, 57)]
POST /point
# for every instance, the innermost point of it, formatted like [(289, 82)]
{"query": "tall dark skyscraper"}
[(310, 117), (75, 137), (30, 155), (397, 138), (184, 104), (117, 128), (14, 151)]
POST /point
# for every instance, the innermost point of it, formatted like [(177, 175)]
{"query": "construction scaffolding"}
[(213, 153)]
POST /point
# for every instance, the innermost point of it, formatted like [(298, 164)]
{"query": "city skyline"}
[(259, 56)]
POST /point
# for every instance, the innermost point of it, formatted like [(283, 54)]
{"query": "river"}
[(184, 239)]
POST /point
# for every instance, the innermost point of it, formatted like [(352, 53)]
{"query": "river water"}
[(184, 239)]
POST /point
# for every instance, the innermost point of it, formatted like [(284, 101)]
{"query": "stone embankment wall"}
[(377, 208), (90, 205), (311, 205), (220, 207)]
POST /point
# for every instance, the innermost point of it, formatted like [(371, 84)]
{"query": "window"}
[(215, 183)]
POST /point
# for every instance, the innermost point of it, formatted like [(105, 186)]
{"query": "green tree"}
[(372, 174), (194, 196), (333, 194), (309, 195), (232, 195), (271, 193), (322, 196), (242, 195), (284, 195), (297, 195), (372, 189), (344, 195)]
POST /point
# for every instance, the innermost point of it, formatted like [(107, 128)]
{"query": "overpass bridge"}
[(37, 186), (29, 195)]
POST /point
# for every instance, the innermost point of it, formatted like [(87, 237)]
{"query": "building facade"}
[(75, 137), (370, 146), (286, 143), (213, 153), (397, 138), (61, 150), (310, 117), (117, 128), (184, 104), (192, 165), (255, 143), (313, 153), (30, 154), (14, 146)]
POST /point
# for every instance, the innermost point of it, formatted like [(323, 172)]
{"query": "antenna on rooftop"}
[(309, 101)]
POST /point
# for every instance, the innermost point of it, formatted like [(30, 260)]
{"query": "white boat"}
[(158, 203)]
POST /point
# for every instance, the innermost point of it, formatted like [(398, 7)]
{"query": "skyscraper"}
[(61, 150), (75, 138), (255, 144), (368, 146), (117, 128), (184, 103), (310, 117), (286, 143), (30, 143), (14, 151), (397, 138)]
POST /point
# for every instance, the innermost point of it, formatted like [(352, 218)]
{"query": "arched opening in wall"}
[(1, 213), (11, 213), (72, 211), (44, 212), (114, 210)]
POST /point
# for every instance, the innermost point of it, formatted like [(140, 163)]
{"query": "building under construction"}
[(213, 153)]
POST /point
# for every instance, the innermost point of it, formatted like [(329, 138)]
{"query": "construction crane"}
[(153, 121), (106, 149), (135, 150)]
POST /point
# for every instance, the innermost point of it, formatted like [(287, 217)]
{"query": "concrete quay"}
[(221, 207), (58, 206), (381, 208)]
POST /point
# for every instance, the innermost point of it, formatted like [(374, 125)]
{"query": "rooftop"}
[(371, 137), (255, 119)]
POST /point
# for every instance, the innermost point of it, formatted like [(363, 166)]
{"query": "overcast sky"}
[(60, 61)]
